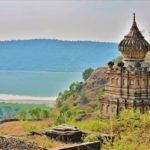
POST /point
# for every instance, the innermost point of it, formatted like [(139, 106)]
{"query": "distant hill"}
[(55, 55)]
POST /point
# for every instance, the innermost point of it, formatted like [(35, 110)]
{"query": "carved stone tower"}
[(133, 47), (128, 83)]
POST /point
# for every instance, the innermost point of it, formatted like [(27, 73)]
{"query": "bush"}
[(83, 99), (129, 114), (91, 138), (35, 113), (22, 114), (45, 114), (87, 73), (75, 87)]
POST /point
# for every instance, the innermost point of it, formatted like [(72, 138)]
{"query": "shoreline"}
[(8, 98)]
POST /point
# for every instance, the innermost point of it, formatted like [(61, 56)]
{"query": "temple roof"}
[(134, 40)]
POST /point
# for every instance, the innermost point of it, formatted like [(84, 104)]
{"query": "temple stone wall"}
[(128, 82)]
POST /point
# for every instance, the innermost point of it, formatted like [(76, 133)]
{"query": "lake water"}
[(38, 83)]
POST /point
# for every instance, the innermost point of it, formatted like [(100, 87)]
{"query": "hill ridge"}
[(55, 55)]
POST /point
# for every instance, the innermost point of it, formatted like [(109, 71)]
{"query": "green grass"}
[(131, 130), (91, 125)]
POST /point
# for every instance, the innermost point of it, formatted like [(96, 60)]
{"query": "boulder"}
[(65, 134)]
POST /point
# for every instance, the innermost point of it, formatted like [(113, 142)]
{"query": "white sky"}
[(96, 20)]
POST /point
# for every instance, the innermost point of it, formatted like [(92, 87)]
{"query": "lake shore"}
[(8, 98)]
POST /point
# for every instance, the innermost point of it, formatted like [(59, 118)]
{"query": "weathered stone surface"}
[(84, 146), (36, 133), (16, 144), (65, 134)]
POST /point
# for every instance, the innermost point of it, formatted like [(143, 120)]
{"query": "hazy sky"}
[(100, 20)]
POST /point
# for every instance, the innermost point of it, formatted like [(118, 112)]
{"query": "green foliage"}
[(29, 126), (11, 110), (45, 114), (68, 113), (35, 113), (62, 97), (98, 97), (91, 138), (118, 59), (22, 114), (83, 99), (87, 73), (91, 125), (129, 114), (75, 87), (131, 130), (64, 109)]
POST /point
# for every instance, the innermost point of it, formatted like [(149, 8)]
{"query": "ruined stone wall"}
[(130, 88), (84, 146)]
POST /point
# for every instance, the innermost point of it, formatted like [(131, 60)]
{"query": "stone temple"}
[(128, 82)]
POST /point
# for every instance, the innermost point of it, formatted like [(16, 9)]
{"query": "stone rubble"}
[(11, 143)]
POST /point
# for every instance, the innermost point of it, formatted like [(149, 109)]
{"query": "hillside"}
[(79, 106), (55, 55), (84, 95)]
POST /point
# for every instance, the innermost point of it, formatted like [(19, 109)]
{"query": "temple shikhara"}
[(128, 82)]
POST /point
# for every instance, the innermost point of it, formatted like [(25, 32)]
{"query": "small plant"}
[(91, 138)]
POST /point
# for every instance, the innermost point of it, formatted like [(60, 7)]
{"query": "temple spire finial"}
[(134, 20)]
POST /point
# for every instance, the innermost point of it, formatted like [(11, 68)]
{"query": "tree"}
[(22, 114), (45, 114), (86, 74), (75, 86), (64, 109), (35, 113)]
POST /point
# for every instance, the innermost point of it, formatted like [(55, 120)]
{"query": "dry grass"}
[(20, 127), (42, 141)]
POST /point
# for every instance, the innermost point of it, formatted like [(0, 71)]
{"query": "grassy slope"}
[(91, 89), (132, 130)]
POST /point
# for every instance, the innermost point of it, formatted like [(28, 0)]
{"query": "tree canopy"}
[(86, 74)]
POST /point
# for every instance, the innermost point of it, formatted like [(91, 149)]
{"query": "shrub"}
[(87, 73), (83, 99), (22, 114), (75, 86), (45, 114), (35, 113), (129, 114), (91, 138)]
